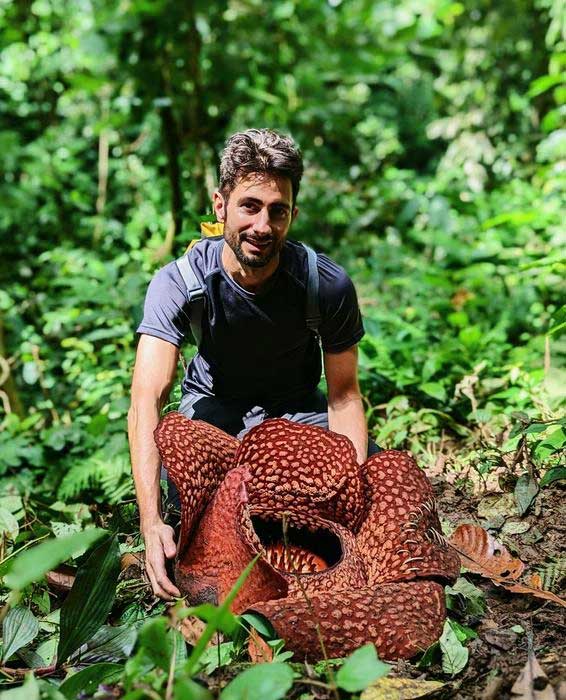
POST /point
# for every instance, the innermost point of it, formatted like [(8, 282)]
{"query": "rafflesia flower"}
[(356, 551)]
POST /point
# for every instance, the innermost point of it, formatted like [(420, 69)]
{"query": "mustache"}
[(256, 239)]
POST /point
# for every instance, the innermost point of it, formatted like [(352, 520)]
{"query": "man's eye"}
[(279, 212), (248, 206)]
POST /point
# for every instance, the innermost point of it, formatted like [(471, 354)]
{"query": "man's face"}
[(256, 218)]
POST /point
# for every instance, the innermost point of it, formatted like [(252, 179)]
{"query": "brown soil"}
[(498, 654)]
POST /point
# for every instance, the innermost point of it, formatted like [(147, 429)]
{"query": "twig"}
[(22, 672), (319, 684)]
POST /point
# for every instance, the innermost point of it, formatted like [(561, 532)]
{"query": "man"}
[(257, 358)]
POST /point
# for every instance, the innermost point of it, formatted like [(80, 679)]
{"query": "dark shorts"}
[(237, 418)]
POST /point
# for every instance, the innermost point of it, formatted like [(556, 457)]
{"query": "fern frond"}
[(552, 574), (103, 472)]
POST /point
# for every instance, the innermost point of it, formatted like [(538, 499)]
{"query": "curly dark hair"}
[(261, 151)]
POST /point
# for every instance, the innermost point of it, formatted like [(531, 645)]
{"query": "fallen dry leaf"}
[(259, 650), (132, 559), (483, 554), (532, 683), (192, 628), (536, 592), (399, 689), (61, 579)]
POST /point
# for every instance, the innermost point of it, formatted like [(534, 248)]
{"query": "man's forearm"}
[(143, 418), (347, 417)]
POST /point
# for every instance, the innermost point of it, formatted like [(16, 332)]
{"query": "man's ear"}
[(219, 206), (294, 213)]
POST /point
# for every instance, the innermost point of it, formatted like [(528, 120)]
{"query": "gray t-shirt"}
[(255, 347)]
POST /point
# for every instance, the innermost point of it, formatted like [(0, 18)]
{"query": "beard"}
[(270, 248)]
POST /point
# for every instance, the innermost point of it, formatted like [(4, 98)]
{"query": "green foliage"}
[(88, 679), (33, 564), (19, 628), (262, 682), (466, 597), (454, 653), (90, 600), (361, 669)]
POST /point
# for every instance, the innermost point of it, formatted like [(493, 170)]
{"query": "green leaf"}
[(28, 691), (360, 669), (32, 564), (454, 653), (463, 632), (156, 643), (8, 524), (20, 627), (259, 623), (187, 689), (525, 493), (472, 595), (434, 389), (470, 336), (86, 607), (108, 644), (553, 474), (87, 681), (261, 682)]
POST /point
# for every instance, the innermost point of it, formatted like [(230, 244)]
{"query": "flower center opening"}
[(298, 550)]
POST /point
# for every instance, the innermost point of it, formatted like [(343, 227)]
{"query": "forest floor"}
[(499, 653)]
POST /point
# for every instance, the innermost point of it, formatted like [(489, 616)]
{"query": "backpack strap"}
[(313, 308), (196, 295)]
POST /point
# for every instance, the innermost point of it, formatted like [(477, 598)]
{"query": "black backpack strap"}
[(313, 307), (196, 295)]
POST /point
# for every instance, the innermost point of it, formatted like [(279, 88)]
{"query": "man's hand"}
[(159, 545)]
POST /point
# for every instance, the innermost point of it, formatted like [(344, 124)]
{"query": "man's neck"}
[(252, 279)]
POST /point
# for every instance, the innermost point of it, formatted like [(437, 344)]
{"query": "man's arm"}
[(345, 409), (154, 373)]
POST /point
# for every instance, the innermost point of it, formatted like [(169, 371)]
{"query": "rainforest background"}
[(435, 148)]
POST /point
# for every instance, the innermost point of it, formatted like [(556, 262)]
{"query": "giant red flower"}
[(353, 553)]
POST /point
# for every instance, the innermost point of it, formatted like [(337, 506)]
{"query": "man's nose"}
[(262, 224)]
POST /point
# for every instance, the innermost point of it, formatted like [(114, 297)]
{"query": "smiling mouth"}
[(256, 244)]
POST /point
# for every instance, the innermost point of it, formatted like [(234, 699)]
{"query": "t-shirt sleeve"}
[(341, 321), (165, 311)]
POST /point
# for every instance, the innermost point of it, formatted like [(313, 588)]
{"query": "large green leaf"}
[(19, 628), (454, 653), (87, 681), (90, 600), (108, 644), (361, 669), (32, 564), (261, 682), (28, 691), (187, 689), (156, 643)]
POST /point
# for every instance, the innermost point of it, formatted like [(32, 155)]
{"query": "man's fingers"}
[(155, 587), (169, 546), (162, 580)]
